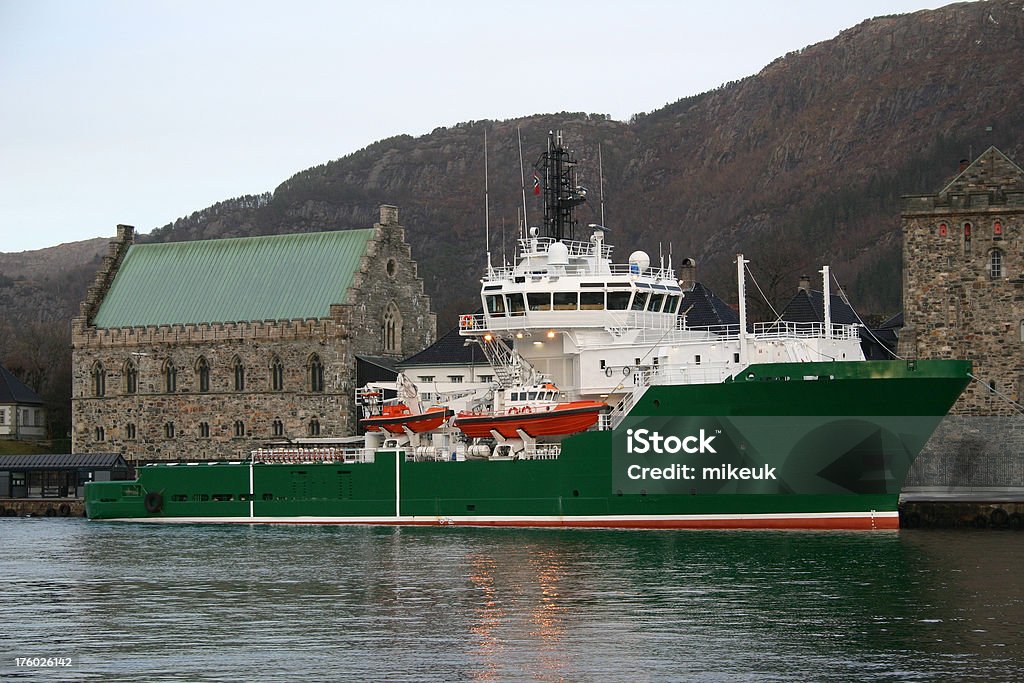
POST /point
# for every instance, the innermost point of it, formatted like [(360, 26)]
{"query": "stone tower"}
[(963, 280)]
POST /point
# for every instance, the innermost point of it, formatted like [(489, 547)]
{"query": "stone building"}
[(963, 297), (207, 349), (963, 279)]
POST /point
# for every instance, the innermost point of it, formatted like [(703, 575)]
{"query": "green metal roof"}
[(251, 278)]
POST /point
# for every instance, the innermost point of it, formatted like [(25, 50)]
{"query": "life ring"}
[(626, 371), (466, 321), (50, 512), (513, 411), (526, 409), (154, 502), (608, 371), (64, 510)]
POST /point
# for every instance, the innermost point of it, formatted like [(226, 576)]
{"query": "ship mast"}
[(562, 194)]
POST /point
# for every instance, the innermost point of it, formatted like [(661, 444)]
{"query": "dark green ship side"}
[(837, 439)]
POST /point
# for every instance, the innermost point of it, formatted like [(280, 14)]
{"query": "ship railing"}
[(784, 329), (548, 451), (308, 455), (505, 273), (777, 330), (685, 373), (614, 418), (533, 246)]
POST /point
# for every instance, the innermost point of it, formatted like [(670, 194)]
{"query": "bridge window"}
[(591, 301), (640, 301), (496, 305), (656, 303), (565, 301), (618, 301), (516, 305), (539, 301)]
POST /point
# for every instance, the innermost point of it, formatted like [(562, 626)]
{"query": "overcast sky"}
[(142, 112)]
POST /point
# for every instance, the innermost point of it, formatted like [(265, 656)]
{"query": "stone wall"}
[(956, 306), (386, 276)]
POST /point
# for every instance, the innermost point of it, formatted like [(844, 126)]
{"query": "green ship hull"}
[(793, 445)]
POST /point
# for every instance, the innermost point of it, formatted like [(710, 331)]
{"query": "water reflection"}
[(276, 603)]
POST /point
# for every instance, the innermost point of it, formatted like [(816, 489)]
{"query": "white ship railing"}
[(534, 246), (308, 455), (506, 273), (549, 451), (619, 321)]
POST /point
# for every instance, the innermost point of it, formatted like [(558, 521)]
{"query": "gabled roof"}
[(62, 461), (808, 306), (277, 277), (450, 349), (13, 390), (991, 169), (704, 309)]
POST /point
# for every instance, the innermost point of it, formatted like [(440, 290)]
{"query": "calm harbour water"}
[(217, 603)]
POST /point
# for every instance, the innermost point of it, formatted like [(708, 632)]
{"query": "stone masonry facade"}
[(963, 297), (136, 413), (963, 280)]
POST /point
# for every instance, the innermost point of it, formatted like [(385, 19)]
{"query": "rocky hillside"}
[(798, 165)]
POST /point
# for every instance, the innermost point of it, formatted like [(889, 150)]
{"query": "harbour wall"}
[(970, 473)]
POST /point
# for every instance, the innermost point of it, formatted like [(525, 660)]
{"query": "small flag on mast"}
[(536, 184)]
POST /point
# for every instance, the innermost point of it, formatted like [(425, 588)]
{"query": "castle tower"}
[(963, 279)]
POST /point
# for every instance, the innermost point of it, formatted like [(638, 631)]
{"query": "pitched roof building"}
[(207, 349), (22, 415)]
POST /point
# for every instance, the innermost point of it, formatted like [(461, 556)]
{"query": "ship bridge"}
[(567, 284)]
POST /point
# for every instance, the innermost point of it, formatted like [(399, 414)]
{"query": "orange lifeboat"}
[(393, 418), (536, 411)]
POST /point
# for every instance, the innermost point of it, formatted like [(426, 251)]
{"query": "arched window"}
[(967, 238), (239, 428), (100, 436), (204, 430), (314, 427), (99, 381), (995, 264), (997, 230), (276, 374), (239, 368), (1022, 330), (316, 374), (131, 377), (278, 427), (170, 376), (203, 374), (943, 229), (130, 431), (392, 330), (169, 430)]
